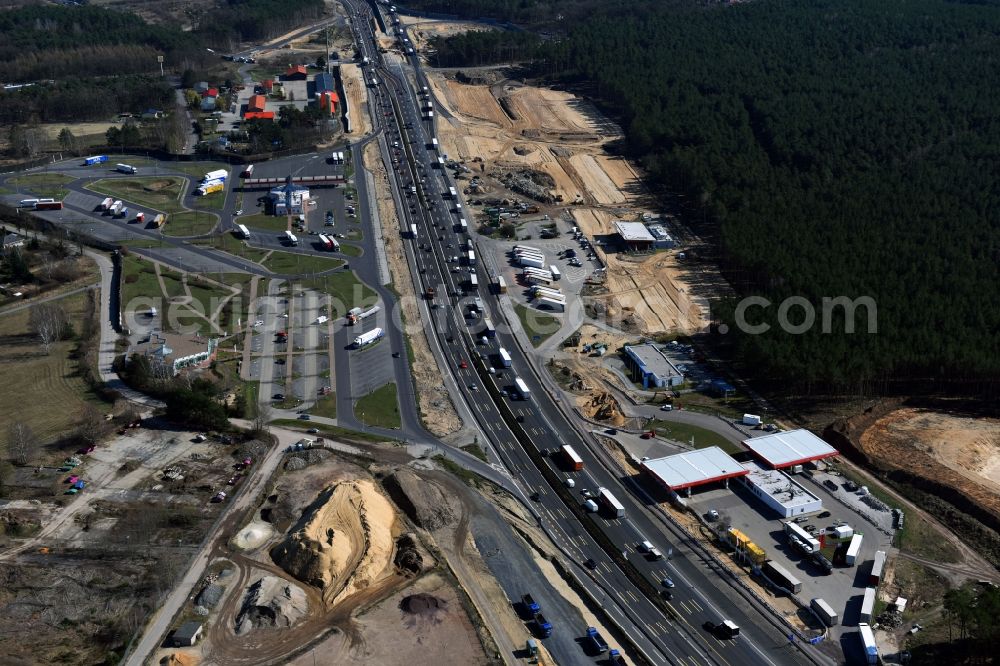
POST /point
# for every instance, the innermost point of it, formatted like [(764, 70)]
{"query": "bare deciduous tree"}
[(261, 421), (47, 321), (21, 442), (92, 424)]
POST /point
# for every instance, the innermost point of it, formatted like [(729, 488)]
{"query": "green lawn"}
[(233, 245), (44, 185), (379, 408), (215, 200), (190, 223), (537, 325), (350, 250), (160, 193), (326, 406), (265, 222), (345, 290), (703, 438), (144, 282), (299, 264)]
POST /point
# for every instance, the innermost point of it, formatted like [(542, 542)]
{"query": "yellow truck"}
[(210, 188), (159, 220)]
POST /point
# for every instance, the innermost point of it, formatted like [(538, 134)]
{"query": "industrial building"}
[(786, 449), (324, 82), (634, 235), (779, 492), (684, 471), (651, 366)]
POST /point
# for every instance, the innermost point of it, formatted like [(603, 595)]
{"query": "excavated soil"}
[(424, 502)]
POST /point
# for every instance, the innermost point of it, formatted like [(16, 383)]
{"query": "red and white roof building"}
[(694, 468), (785, 449)]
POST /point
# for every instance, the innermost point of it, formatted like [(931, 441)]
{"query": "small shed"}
[(296, 73), (188, 634)]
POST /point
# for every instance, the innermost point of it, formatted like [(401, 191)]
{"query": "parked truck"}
[(140, 217), (96, 159), (780, 576), (218, 174), (247, 172), (544, 626), (159, 220), (354, 317), (106, 204), (615, 658), (49, 205), (868, 643), (209, 188), (126, 168), (596, 640), (368, 337), (853, 550), (751, 420), (825, 612)]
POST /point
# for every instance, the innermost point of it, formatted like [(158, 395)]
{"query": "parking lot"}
[(844, 587)]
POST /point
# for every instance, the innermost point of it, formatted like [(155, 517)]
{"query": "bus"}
[(243, 231), (290, 238), (522, 390), (489, 331)]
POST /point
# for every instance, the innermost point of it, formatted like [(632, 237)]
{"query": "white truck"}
[(751, 420), (367, 338)]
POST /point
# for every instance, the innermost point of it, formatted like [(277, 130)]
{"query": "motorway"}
[(697, 598)]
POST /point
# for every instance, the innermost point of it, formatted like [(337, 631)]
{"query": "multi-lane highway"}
[(395, 103)]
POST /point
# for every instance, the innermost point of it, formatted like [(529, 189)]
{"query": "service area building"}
[(289, 200), (779, 492), (661, 239), (786, 449), (684, 471), (634, 235), (651, 366)]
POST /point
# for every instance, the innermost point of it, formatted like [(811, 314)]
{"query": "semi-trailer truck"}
[(49, 205), (291, 238), (595, 638), (780, 576), (159, 220), (209, 188), (247, 172), (367, 338), (218, 174), (573, 461), (505, 359), (96, 159), (126, 168), (610, 502), (356, 314), (106, 204)]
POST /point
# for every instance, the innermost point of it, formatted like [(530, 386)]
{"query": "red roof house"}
[(211, 92), (267, 84), (256, 103), (296, 73), (258, 115)]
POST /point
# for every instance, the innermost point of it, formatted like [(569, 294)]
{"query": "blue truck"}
[(544, 626), (615, 658), (597, 640), (96, 159), (531, 606)]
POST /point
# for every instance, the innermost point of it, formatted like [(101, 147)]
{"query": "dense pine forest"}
[(840, 148)]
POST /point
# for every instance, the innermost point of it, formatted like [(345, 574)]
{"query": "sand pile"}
[(603, 407), (424, 502), (180, 659), (422, 607), (343, 542), (271, 602)]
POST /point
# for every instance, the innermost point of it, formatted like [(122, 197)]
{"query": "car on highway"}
[(590, 563), (395, 354), (313, 431), (667, 582), (304, 417), (463, 365), (473, 387), (278, 396)]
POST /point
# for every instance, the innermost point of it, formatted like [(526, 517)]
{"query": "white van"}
[(570, 483), (645, 547), (590, 505)]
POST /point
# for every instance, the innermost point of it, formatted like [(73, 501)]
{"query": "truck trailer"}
[(610, 502), (159, 220), (877, 566), (209, 188), (868, 604), (96, 159), (505, 360), (247, 172), (532, 262), (825, 612), (367, 337), (49, 205), (543, 626), (573, 461), (291, 238), (530, 605), (501, 285), (243, 231), (218, 174), (126, 168), (853, 550), (553, 304), (868, 643), (522, 390), (779, 575), (106, 204)]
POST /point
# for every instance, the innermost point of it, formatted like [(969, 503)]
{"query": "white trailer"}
[(452, 194), (538, 290), (105, 205), (868, 643), (610, 502), (218, 174), (531, 262), (115, 207), (463, 226), (851, 558), (531, 270), (522, 389), (751, 420), (501, 285), (877, 566), (473, 282), (367, 337), (505, 359), (244, 232), (551, 304), (356, 315), (413, 230), (536, 279), (868, 604), (556, 275), (825, 613), (471, 257), (434, 144), (126, 168), (290, 238), (524, 252), (793, 530)]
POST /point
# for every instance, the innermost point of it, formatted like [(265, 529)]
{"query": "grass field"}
[(703, 438), (345, 290), (144, 284), (215, 200), (265, 222), (379, 408), (235, 246), (350, 250), (44, 185), (190, 223), (158, 192), (41, 390), (326, 406), (197, 170), (299, 264), (538, 326)]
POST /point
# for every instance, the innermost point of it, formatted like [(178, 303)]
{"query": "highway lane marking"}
[(695, 603)]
